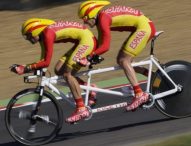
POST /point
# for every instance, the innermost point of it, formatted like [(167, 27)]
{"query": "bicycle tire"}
[(13, 115), (177, 105)]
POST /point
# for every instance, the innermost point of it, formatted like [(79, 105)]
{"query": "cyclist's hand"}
[(95, 59), (19, 69), (83, 62)]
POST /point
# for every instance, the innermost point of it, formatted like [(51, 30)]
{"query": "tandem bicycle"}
[(168, 88)]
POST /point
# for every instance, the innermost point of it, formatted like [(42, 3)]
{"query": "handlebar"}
[(42, 72), (37, 74), (96, 59)]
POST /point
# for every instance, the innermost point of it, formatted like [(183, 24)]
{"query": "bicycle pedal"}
[(149, 103), (45, 118), (32, 129), (73, 123)]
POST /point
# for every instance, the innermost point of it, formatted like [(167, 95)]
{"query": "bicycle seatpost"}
[(152, 46), (153, 40)]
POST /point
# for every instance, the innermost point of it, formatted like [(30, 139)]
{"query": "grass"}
[(183, 140), (102, 84)]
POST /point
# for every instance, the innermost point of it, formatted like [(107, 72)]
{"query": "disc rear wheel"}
[(177, 105)]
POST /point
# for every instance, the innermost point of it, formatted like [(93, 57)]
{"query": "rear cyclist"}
[(109, 18), (47, 32)]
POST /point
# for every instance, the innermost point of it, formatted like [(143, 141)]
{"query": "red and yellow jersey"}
[(62, 31), (119, 18)]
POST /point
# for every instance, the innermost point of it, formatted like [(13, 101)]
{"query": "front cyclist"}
[(48, 32), (109, 18)]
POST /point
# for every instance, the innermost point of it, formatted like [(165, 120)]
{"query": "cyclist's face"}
[(30, 38), (90, 21)]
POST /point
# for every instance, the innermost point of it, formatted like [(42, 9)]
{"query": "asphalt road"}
[(111, 128)]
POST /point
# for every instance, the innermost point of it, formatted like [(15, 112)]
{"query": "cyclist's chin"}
[(33, 41), (92, 25)]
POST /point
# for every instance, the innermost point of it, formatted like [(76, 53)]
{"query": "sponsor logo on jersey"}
[(82, 49), (137, 39), (62, 24), (123, 9)]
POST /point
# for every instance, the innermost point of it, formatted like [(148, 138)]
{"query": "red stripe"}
[(36, 27), (92, 8), (2, 107), (86, 5), (30, 23)]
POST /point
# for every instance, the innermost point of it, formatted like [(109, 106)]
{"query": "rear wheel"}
[(29, 128), (177, 105)]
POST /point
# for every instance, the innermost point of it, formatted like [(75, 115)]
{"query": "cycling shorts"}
[(138, 40), (80, 50)]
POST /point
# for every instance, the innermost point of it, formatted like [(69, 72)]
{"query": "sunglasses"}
[(28, 36), (85, 18)]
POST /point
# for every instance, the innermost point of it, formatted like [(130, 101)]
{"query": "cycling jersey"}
[(123, 18), (65, 31)]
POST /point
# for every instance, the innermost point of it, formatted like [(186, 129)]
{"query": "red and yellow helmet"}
[(35, 26), (90, 8)]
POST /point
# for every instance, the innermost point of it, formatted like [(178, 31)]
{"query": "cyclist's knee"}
[(120, 61), (58, 72), (67, 75), (123, 60), (59, 68)]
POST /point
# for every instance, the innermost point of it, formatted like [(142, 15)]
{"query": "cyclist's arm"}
[(47, 43), (104, 23)]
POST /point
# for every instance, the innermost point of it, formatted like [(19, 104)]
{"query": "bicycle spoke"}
[(37, 125), (44, 118)]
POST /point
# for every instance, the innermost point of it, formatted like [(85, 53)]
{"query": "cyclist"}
[(47, 32), (107, 18)]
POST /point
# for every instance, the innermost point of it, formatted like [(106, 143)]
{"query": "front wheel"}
[(29, 127), (177, 105)]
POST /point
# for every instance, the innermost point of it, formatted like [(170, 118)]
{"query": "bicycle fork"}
[(33, 117)]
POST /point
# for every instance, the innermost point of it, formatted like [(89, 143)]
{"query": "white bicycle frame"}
[(150, 62)]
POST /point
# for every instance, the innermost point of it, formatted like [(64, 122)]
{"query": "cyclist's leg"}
[(92, 100), (66, 62), (69, 67), (150, 28), (141, 70), (59, 67), (133, 46), (80, 112), (92, 95), (82, 50), (124, 60)]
